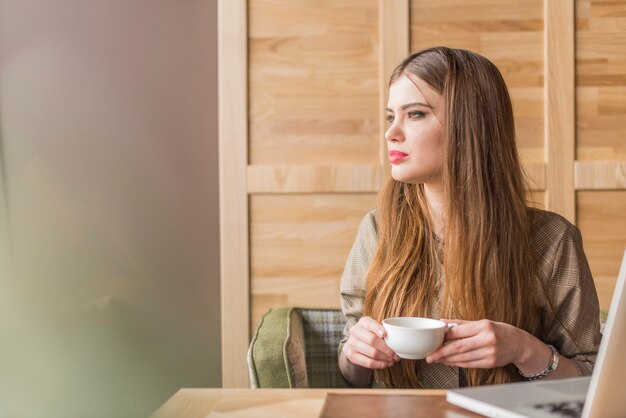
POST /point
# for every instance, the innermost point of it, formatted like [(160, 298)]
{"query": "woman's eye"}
[(415, 114), (389, 118)]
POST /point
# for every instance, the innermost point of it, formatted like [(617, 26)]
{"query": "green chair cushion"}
[(297, 348), (276, 357)]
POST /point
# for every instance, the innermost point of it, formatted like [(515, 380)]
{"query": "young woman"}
[(454, 238)]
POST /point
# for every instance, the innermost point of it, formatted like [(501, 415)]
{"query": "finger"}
[(481, 353), (372, 325), (466, 329), (368, 337), (369, 351), (454, 321), (459, 346), (369, 363)]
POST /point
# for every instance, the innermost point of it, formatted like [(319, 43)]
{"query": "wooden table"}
[(306, 403)]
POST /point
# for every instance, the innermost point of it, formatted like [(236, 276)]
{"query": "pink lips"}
[(397, 156)]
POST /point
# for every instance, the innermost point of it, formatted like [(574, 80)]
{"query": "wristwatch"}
[(552, 365)]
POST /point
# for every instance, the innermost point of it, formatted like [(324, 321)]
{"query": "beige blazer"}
[(573, 327)]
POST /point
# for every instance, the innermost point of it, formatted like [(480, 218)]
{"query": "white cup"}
[(414, 338)]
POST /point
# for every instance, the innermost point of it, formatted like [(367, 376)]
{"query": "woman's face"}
[(414, 137)]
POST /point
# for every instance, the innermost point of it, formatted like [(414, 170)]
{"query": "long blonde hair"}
[(485, 259)]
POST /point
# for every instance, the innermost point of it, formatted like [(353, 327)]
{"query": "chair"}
[(297, 348)]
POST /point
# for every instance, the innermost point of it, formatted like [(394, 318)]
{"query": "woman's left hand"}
[(480, 344)]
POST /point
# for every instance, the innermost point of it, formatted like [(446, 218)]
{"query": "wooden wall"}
[(510, 35), (315, 75), (601, 137), (313, 143)]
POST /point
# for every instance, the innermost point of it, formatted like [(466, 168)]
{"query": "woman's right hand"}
[(366, 346)]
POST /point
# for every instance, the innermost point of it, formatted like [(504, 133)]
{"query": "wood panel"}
[(314, 129), (535, 175), (313, 82), (601, 136), (602, 222), (601, 79), (302, 178), (299, 245), (394, 41), (314, 178), (600, 175), (559, 108), (509, 33), (233, 195)]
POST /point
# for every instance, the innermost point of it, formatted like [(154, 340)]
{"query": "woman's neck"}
[(434, 198)]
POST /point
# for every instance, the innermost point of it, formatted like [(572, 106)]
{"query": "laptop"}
[(600, 395)]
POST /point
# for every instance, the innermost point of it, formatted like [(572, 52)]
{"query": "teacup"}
[(414, 338)]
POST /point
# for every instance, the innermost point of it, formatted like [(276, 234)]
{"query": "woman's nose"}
[(393, 134)]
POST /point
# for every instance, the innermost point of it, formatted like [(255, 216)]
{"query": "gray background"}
[(109, 205)]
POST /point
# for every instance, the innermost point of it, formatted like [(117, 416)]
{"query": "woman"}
[(454, 238)]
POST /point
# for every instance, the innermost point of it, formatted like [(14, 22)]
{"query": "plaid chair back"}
[(323, 330)]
